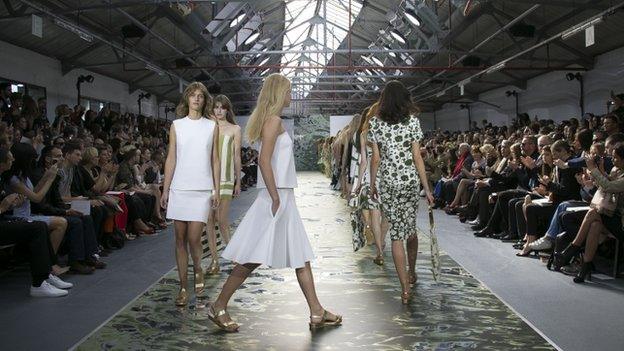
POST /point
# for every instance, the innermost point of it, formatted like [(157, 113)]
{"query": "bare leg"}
[(224, 219), (212, 235), (385, 226), (376, 227), (591, 216), (156, 192), (58, 226), (306, 283), (593, 239), (193, 235), (181, 251), (398, 255), (240, 272), (458, 194), (412, 254)]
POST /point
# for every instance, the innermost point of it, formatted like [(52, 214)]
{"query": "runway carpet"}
[(456, 313)]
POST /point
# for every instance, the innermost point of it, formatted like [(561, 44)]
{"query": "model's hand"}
[(373, 192), (214, 200), (430, 198), (164, 198), (275, 206), (237, 190)]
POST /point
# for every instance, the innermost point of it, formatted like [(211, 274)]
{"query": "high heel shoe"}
[(563, 258), (214, 268), (586, 271), (406, 297), (379, 260), (199, 283), (323, 321), (182, 298), (213, 315)]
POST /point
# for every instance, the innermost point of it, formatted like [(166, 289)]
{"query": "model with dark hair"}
[(397, 174), (230, 156)]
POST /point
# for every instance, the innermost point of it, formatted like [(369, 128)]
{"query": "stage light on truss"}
[(580, 27), (396, 35), (495, 68), (441, 94), (377, 61), (155, 69), (76, 30), (252, 38), (412, 19)]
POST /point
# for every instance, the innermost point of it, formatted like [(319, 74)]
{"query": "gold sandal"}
[(405, 297), (199, 283), (214, 268), (229, 327), (182, 298), (324, 322), (379, 260)]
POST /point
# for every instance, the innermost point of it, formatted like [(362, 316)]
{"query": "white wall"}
[(30, 67), (549, 96), (336, 123)]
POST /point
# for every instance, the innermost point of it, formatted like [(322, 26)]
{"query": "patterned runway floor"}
[(457, 313)]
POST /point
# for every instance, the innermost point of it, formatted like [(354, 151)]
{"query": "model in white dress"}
[(192, 172), (272, 232)]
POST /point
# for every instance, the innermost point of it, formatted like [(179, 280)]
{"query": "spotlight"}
[(144, 96), (88, 78), (571, 76), (509, 93)]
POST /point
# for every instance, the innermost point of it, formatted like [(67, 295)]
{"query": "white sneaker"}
[(57, 282), (47, 290), (543, 243)]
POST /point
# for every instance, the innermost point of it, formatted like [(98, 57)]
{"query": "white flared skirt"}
[(189, 205), (278, 241)]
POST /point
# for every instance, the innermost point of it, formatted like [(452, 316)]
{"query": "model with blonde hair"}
[(371, 208), (192, 171), (230, 156), (272, 232)]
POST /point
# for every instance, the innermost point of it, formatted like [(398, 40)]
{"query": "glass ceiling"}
[(314, 28)]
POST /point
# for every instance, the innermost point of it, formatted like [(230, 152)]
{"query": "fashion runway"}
[(456, 313)]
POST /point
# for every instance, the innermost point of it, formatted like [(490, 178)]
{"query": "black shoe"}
[(586, 271), (563, 258), (509, 238), (519, 245), (484, 232), (477, 227)]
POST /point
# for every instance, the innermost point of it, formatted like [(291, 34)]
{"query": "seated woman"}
[(562, 187), (596, 226), (34, 236), (17, 180), (477, 171), (139, 170)]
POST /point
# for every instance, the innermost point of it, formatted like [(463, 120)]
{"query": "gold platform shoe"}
[(199, 283), (214, 268), (182, 298)]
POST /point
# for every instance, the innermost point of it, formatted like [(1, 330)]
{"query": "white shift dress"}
[(192, 183), (278, 241)]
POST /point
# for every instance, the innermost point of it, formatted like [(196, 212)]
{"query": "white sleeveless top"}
[(193, 169), (282, 164)]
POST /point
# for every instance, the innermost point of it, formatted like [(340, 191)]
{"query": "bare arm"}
[(170, 164), (270, 131), (42, 189), (375, 158), (420, 166), (363, 161), (216, 162), (237, 160)]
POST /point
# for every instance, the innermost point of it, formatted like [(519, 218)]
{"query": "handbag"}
[(604, 203)]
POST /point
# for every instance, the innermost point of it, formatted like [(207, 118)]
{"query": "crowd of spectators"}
[(77, 188), (553, 189)]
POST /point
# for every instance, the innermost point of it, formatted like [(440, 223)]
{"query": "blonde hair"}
[(182, 109), (271, 101), (89, 154)]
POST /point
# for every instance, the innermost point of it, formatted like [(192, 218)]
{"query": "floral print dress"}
[(398, 183)]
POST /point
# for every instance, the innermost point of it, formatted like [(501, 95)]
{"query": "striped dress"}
[(226, 154)]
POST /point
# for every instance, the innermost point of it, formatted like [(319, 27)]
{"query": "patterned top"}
[(226, 155), (395, 145)]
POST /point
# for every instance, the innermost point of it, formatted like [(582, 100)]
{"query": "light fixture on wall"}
[(167, 110), (141, 97), (82, 79), (515, 94), (570, 76)]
